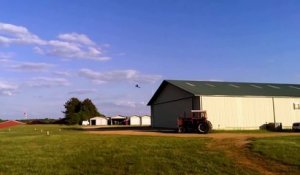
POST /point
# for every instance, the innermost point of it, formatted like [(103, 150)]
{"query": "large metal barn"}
[(229, 105)]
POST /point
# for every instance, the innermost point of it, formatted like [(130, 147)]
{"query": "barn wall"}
[(238, 112), (285, 112), (165, 114), (225, 112)]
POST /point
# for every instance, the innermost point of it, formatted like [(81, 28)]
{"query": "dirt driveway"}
[(234, 145)]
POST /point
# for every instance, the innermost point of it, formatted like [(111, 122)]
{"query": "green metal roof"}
[(232, 88)]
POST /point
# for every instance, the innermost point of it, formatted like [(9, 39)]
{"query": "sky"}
[(53, 50)]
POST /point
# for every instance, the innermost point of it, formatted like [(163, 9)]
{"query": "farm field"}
[(27, 149)]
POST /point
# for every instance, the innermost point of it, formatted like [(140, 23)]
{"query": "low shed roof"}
[(232, 88), (98, 117), (118, 117)]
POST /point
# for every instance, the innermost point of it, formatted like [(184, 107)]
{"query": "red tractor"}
[(197, 121)]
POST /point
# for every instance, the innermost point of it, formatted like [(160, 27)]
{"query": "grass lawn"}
[(284, 149), (26, 150)]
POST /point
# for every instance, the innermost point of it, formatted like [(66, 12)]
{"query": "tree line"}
[(78, 111)]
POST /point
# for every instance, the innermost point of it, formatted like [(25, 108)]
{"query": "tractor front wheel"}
[(181, 130), (204, 127)]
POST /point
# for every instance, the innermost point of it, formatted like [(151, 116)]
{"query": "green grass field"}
[(28, 150), (24, 150), (282, 149)]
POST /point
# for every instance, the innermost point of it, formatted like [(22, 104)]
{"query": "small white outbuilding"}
[(98, 121), (145, 120), (134, 120)]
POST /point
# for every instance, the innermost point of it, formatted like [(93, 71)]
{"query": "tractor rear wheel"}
[(204, 127)]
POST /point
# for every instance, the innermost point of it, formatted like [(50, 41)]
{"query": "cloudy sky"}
[(53, 50)]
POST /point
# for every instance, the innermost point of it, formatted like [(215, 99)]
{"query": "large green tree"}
[(77, 111), (88, 109), (73, 106)]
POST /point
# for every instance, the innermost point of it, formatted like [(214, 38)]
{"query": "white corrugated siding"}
[(285, 112), (249, 112), (238, 112)]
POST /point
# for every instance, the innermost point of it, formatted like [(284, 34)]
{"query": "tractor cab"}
[(198, 114)]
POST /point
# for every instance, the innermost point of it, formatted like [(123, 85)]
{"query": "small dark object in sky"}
[(137, 86)]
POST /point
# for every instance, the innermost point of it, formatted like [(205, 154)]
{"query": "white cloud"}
[(76, 38), (124, 107), (4, 41), (5, 56), (12, 34), (7, 93), (118, 75), (218, 80), (3, 60), (7, 88), (22, 66), (130, 104), (67, 45), (48, 82), (30, 66), (71, 50), (9, 28), (62, 73), (82, 91)]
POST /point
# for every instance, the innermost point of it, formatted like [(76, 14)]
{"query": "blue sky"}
[(99, 49)]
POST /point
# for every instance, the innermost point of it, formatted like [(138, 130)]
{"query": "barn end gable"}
[(168, 103), (168, 92)]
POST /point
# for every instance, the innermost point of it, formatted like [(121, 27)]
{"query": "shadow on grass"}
[(123, 128), (254, 131), (287, 131), (165, 130)]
